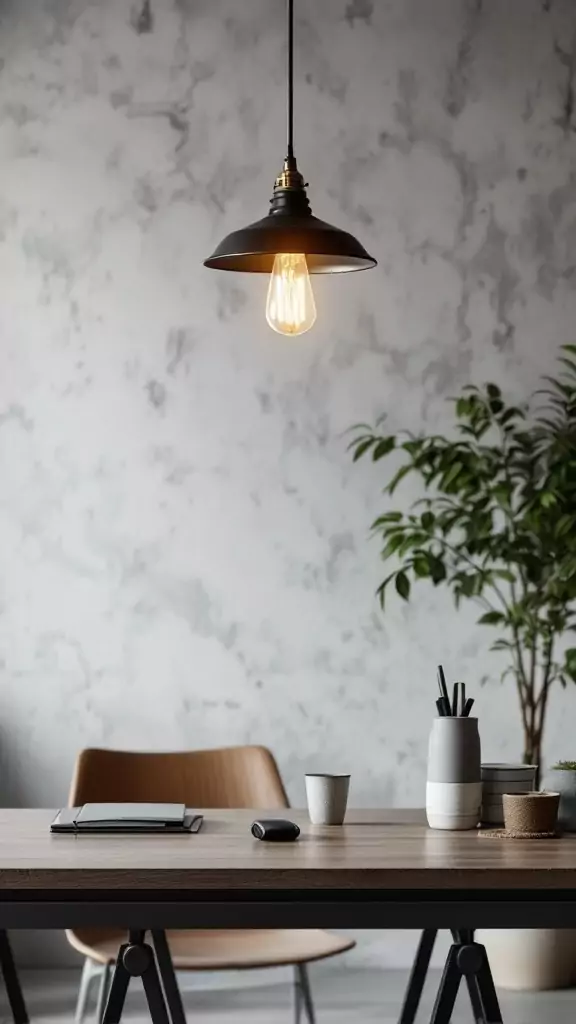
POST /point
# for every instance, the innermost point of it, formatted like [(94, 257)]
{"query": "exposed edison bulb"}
[(290, 306)]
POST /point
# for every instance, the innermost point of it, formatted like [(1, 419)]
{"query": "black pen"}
[(442, 684), (468, 707)]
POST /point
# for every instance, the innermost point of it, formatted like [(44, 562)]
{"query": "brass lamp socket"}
[(289, 196)]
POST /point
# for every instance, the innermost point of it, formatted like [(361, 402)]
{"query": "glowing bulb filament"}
[(290, 306)]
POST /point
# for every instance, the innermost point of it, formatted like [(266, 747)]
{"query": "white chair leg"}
[(90, 971), (297, 997), (304, 984), (103, 990)]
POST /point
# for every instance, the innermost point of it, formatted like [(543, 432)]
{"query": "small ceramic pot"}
[(564, 781), (498, 779), (453, 786), (530, 812), (530, 959)]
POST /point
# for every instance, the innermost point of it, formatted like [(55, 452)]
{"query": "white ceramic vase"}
[(453, 786), (532, 960)]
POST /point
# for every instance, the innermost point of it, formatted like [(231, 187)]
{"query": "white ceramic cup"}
[(327, 797)]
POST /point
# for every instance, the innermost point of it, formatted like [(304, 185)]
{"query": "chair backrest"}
[(234, 777)]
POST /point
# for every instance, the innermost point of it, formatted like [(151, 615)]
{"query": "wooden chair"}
[(235, 777)]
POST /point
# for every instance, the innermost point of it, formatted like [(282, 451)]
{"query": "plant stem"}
[(543, 696), (537, 707), (461, 554), (518, 643)]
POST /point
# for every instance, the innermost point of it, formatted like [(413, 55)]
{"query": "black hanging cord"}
[(290, 11)]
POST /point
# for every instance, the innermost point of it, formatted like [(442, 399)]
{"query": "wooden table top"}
[(373, 850)]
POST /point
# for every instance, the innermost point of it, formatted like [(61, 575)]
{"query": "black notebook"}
[(126, 818)]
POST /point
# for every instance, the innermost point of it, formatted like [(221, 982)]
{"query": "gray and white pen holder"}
[(453, 786)]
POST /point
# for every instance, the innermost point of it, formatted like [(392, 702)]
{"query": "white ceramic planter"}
[(531, 961)]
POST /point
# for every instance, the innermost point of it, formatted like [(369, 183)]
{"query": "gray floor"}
[(341, 998)]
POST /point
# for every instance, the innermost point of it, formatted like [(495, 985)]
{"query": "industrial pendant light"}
[(290, 243)]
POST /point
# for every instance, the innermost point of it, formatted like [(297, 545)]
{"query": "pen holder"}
[(453, 786)]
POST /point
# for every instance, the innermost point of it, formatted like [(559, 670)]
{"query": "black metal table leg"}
[(463, 937), (168, 976), (417, 977), (118, 989), (136, 960), (448, 990), (475, 998), (492, 1014), (12, 981), (467, 959), (155, 996)]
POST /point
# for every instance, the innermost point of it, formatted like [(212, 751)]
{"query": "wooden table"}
[(383, 869)]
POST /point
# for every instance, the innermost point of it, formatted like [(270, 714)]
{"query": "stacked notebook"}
[(120, 818)]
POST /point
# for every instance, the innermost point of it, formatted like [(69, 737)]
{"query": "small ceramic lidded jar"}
[(453, 786), (563, 780)]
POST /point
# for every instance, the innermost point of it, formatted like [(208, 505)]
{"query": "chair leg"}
[(90, 971), (297, 997), (304, 984), (103, 990), (12, 981)]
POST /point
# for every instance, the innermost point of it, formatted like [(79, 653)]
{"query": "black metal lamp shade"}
[(327, 249), (290, 226)]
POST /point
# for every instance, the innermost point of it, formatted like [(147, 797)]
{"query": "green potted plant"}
[(562, 779), (495, 524)]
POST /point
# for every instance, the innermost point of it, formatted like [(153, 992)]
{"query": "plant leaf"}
[(363, 447), (396, 479), (451, 475), (386, 520), (403, 585), (437, 570), (504, 574), (490, 619), (421, 566), (383, 448), (381, 591)]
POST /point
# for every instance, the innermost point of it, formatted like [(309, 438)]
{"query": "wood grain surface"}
[(374, 850)]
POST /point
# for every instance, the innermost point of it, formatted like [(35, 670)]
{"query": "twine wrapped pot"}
[(530, 812)]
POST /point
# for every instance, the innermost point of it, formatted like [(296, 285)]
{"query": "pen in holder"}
[(453, 786)]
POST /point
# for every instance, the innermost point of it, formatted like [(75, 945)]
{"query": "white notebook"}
[(109, 815)]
